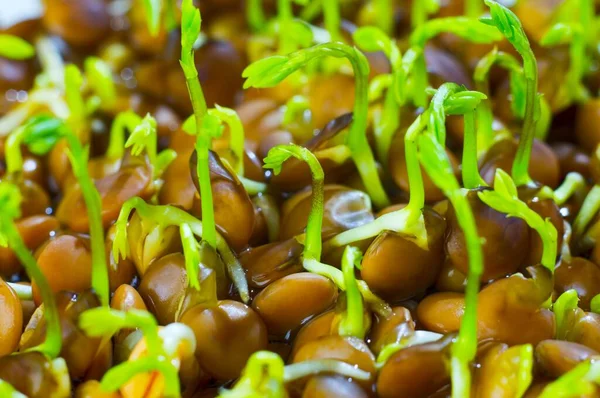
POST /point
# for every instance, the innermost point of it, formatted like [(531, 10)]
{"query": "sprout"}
[(124, 121), (436, 163), (265, 375), (564, 304), (311, 256), (415, 338), (589, 208), (510, 26), (291, 32), (100, 79), (206, 125), (10, 203), (165, 216), (485, 117), (384, 10), (255, 15), (421, 10), (463, 27), (387, 121), (504, 198), (153, 10), (162, 346), (78, 113), (270, 71), (331, 17), (191, 254), (352, 323), (13, 47)]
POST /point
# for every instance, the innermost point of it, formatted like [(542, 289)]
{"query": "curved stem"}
[(52, 345), (435, 161), (352, 323), (191, 255), (118, 375), (470, 173), (274, 160), (331, 16), (236, 134), (126, 120), (573, 182), (12, 151), (306, 368), (255, 15), (78, 157), (589, 209)]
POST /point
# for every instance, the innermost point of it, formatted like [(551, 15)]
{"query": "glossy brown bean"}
[(586, 331), (351, 350), (441, 312), (133, 179), (587, 124), (86, 358), (233, 209), (572, 159), (34, 231), (65, 255), (330, 386), (416, 371), (543, 166), (401, 277), (391, 329), (11, 319), (450, 279), (80, 23), (344, 209), (35, 200), (579, 274), (317, 327), (506, 240), (279, 307), (226, 335), (178, 188), (556, 357), (295, 173), (92, 389), (268, 263), (33, 374), (164, 288)]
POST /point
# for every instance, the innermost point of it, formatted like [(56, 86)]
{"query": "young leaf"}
[(13, 47), (270, 71)]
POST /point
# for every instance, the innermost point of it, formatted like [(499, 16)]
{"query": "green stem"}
[(416, 201), (435, 161), (8, 391), (385, 13), (418, 13), (270, 71), (126, 120), (274, 160), (352, 323), (284, 18), (12, 151), (573, 182), (52, 345), (73, 81), (589, 209), (587, 18), (78, 157), (385, 128), (331, 16), (203, 170), (303, 369), (118, 375), (236, 134), (191, 255), (255, 15), (470, 173)]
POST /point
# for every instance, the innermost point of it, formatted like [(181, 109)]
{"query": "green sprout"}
[(595, 304), (191, 254), (205, 124), (13, 47), (229, 117), (165, 216), (313, 245), (124, 121), (387, 121), (564, 304), (573, 182), (580, 381), (153, 10), (421, 10), (384, 9), (40, 141), (332, 19), (75, 102), (504, 198), (485, 117), (265, 375), (291, 32), (100, 79), (270, 71), (436, 163), (473, 8), (510, 26), (10, 202), (409, 221), (589, 208), (144, 138), (161, 345), (352, 323), (463, 27), (255, 15)]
